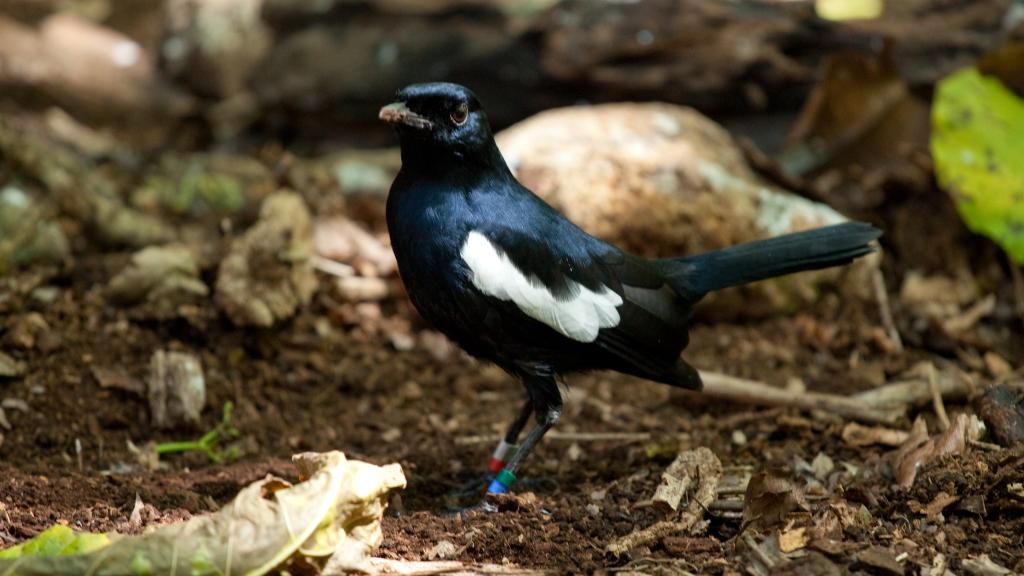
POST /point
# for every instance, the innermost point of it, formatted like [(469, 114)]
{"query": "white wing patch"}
[(579, 317)]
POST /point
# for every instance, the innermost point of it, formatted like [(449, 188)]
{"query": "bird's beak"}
[(399, 113)]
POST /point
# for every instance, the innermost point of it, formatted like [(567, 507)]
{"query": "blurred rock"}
[(1003, 413), (9, 367), (346, 62), (861, 132), (937, 296), (212, 46), (365, 171), (90, 70), (116, 224), (238, 63), (662, 180), (268, 272), (176, 389), (160, 282), (203, 184), (27, 236), (76, 187), (344, 240), (362, 289), (25, 329)]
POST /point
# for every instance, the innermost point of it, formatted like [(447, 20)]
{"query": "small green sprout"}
[(208, 443)]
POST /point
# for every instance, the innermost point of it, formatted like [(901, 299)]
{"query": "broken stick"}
[(950, 385), (753, 392), (882, 295)]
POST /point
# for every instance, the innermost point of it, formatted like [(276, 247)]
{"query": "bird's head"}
[(444, 117)]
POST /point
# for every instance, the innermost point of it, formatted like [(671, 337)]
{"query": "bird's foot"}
[(473, 487), (481, 507)]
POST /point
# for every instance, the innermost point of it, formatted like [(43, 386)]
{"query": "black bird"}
[(510, 280)]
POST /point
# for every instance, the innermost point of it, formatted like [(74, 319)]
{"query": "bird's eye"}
[(460, 115)]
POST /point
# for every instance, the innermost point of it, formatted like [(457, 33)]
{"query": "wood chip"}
[(856, 434), (984, 566), (881, 559), (794, 539), (678, 477), (118, 379), (176, 389), (934, 508), (997, 366), (708, 474), (9, 367)]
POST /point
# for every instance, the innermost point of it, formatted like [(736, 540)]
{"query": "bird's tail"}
[(825, 247)]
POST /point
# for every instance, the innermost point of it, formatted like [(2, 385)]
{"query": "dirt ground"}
[(320, 383)]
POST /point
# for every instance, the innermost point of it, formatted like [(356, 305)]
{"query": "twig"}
[(917, 391), (937, 403), (882, 295), (565, 437), (968, 318), (332, 267), (984, 445), (753, 392), (707, 469)]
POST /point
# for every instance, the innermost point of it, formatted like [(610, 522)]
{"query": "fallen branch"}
[(918, 391), (753, 392), (700, 466)]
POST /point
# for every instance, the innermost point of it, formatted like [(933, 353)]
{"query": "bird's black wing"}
[(654, 323), (650, 327)]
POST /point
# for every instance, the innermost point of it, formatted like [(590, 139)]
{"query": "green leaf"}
[(57, 540), (978, 146)]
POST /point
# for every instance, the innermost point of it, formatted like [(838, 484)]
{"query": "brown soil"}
[(319, 384)]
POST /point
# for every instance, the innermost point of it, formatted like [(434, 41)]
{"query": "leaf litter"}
[(333, 516)]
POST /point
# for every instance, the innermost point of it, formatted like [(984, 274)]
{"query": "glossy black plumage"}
[(454, 181)]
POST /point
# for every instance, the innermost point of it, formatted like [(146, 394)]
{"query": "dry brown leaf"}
[(118, 379), (770, 496), (880, 560), (677, 478), (919, 449), (336, 512)]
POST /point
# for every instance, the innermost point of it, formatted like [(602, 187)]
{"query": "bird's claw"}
[(473, 487), (481, 507)]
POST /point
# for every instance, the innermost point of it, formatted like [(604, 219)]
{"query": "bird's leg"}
[(507, 447), (548, 409), (502, 453)]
